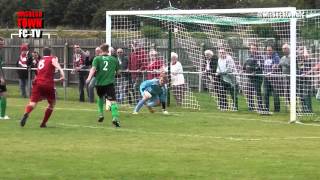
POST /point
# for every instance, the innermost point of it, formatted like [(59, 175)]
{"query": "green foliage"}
[(154, 32), (54, 11), (264, 31), (310, 32), (6, 33), (8, 9), (235, 42), (198, 35), (79, 13)]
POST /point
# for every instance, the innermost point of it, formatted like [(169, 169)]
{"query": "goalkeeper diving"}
[(154, 93)]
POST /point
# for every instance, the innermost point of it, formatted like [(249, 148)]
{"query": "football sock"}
[(28, 109), (100, 106), (139, 105), (114, 111), (3, 106), (47, 115)]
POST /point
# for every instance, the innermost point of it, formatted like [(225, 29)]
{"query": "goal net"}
[(267, 59)]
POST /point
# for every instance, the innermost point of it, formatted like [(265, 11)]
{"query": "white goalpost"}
[(239, 39)]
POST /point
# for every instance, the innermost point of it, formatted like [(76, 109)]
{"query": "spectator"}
[(92, 82), (155, 65), (123, 78), (35, 59), (210, 79), (79, 58), (284, 66), (112, 52), (137, 60), (210, 67), (177, 79), (304, 81), (253, 68), (226, 69), (315, 70), (271, 83), (25, 62)]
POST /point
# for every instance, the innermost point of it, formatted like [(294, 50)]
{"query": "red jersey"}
[(45, 71), (137, 61), (154, 65)]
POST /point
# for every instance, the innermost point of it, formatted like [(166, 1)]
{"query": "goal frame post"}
[(293, 35)]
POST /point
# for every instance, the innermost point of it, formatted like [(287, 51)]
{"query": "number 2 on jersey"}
[(105, 68)]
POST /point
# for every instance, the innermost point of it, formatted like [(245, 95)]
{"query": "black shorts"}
[(107, 91), (3, 88)]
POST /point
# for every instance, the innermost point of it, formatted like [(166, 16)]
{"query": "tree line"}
[(86, 14)]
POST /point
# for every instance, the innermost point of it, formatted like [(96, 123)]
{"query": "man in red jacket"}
[(138, 60)]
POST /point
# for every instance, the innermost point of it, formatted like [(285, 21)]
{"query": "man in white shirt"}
[(225, 69)]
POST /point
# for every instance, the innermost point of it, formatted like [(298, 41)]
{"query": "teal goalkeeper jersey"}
[(106, 68)]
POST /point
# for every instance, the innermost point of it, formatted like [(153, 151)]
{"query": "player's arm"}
[(91, 74), (56, 64), (92, 70)]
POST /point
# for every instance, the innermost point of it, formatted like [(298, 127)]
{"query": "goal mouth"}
[(280, 81)]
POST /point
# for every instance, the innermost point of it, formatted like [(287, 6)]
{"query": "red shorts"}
[(40, 92)]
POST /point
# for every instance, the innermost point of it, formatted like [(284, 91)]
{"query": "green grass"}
[(183, 145)]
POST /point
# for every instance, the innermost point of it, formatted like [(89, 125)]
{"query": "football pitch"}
[(186, 144)]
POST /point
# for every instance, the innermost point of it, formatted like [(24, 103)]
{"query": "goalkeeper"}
[(154, 93)]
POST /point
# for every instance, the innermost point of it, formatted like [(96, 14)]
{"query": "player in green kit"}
[(3, 88), (105, 67)]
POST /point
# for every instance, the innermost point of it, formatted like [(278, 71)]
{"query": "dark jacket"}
[(253, 65), (124, 65), (213, 65)]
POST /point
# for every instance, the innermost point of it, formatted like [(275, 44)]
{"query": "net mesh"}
[(232, 56)]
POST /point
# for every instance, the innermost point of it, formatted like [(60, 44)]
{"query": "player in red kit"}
[(43, 86)]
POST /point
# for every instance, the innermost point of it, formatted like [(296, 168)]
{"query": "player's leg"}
[(30, 106), (51, 98), (34, 99), (100, 100), (152, 102), (47, 114), (111, 96), (3, 102), (145, 96)]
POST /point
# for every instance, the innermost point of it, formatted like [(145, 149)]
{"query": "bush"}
[(198, 35), (310, 32), (149, 31)]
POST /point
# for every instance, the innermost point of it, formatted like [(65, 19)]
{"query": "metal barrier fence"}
[(192, 78)]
